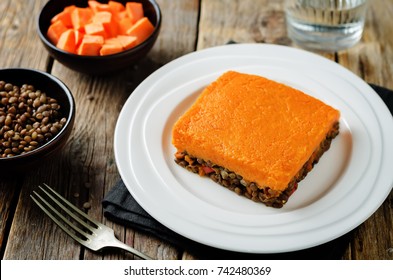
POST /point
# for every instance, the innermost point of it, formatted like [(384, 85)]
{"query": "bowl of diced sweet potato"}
[(99, 36)]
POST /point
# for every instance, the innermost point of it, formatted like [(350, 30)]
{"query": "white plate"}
[(347, 186)]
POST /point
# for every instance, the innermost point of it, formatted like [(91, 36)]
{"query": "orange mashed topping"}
[(258, 128)]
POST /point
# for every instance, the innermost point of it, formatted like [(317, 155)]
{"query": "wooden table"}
[(86, 170)]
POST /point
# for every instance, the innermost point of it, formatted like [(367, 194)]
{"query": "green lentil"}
[(29, 118)]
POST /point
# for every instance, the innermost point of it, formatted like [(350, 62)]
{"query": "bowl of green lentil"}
[(37, 113)]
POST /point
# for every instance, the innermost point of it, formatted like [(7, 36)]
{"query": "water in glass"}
[(328, 25)]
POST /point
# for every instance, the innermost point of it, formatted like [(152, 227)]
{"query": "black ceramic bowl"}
[(54, 88), (97, 64)]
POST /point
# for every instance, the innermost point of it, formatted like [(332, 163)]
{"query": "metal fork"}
[(77, 224)]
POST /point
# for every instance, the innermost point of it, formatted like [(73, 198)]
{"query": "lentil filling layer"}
[(252, 190)]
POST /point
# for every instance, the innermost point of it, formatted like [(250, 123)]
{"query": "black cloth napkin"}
[(120, 207)]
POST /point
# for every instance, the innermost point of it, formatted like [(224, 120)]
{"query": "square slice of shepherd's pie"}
[(254, 136)]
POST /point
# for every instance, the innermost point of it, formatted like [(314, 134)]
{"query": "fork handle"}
[(118, 244)]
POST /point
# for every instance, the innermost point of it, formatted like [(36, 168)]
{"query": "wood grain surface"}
[(86, 169)]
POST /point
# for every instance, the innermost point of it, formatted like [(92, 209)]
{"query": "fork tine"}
[(69, 204), (55, 215), (59, 203), (61, 225), (65, 215)]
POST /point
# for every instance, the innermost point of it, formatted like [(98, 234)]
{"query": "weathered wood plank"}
[(371, 60), (179, 30), (87, 170), (177, 37), (19, 41), (19, 47), (33, 235), (243, 21), (9, 190)]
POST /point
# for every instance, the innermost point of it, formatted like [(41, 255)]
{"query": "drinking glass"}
[(327, 25)]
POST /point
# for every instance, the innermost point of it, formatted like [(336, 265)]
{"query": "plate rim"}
[(173, 65)]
